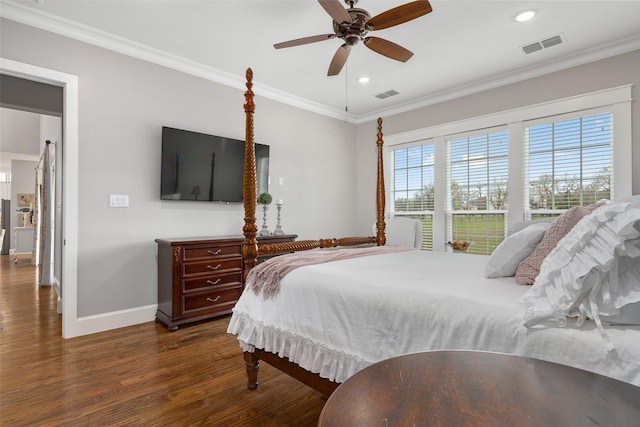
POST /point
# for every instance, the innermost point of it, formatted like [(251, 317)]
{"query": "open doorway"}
[(66, 240), (30, 143)]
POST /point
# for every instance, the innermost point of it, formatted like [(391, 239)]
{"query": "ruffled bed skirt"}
[(328, 363)]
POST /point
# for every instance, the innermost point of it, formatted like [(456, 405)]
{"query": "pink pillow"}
[(529, 268)]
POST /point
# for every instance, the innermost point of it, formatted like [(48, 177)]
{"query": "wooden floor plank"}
[(138, 375)]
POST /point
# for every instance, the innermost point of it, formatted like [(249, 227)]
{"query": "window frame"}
[(450, 212), (616, 100)]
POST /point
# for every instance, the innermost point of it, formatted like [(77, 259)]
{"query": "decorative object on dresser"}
[(278, 231), (265, 200), (201, 278)]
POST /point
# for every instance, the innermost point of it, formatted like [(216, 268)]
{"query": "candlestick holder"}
[(264, 231), (278, 231)]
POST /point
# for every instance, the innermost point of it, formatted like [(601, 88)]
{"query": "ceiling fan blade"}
[(335, 9), (399, 15), (304, 40), (388, 49), (339, 59)]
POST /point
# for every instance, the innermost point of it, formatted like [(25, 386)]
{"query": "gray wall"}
[(123, 103), (607, 73), (19, 132)]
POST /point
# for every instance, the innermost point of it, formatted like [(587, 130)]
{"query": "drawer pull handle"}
[(213, 300), (214, 253), (214, 268), (213, 283)]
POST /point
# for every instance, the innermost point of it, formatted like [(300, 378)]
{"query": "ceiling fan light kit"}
[(352, 25)]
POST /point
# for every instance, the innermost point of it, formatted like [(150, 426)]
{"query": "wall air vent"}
[(542, 44), (387, 94)]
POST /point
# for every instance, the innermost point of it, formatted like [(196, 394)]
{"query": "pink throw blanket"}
[(266, 277)]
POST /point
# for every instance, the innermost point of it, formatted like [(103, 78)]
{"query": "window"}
[(477, 189), (412, 190), (471, 180), (568, 163)]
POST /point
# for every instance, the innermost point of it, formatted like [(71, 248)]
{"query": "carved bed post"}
[(380, 198), (249, 184)]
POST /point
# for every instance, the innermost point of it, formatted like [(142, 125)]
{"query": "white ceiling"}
[(460, 48)]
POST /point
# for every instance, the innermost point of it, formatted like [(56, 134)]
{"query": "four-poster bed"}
[(330, 320), (250, 249)]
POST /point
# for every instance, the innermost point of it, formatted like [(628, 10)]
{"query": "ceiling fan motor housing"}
[(354, 31)]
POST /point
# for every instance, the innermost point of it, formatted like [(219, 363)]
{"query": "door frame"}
[(69, 279)]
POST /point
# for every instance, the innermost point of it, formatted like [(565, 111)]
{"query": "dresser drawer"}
[(193, 253), (212, 266), (199, 283), (214, 300)]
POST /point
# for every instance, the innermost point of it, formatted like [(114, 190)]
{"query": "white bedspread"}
[(337, 318)]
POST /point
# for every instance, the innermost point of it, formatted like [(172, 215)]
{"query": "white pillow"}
[(509, 254), (593, 271), (522, 225)]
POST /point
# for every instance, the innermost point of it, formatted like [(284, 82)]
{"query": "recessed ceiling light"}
[(363, 79), (525, 16)]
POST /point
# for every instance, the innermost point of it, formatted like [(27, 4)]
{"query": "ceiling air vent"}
[(542, 44), (551, 41), (533, 47), (387, 94)]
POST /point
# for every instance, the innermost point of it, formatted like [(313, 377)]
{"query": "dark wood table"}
[(471, 388)]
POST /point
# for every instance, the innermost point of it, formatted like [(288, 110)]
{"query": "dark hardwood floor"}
[(141, 375)]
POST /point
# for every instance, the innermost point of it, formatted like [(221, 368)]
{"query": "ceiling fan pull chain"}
[(346, 88)]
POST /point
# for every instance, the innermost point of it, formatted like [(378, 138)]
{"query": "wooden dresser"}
[(201, 278)]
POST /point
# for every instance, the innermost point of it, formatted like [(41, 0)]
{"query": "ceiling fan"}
[(353, 24)]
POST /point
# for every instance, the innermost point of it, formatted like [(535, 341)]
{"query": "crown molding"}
[(55, 24), (594, 54)]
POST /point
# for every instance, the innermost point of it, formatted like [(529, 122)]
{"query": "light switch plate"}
[(118, 201)]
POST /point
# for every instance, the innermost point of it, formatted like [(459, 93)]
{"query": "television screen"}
[(197, 166)]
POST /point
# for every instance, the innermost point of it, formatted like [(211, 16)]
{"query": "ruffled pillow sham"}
[(504, 259), (594, 270)]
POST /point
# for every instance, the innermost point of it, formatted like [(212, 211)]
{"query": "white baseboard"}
[(115, 319)]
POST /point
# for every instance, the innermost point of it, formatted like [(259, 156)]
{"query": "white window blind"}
[(412, 189), (568, 161), (477, 176)]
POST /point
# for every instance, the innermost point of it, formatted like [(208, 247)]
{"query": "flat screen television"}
[(197, 166)]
